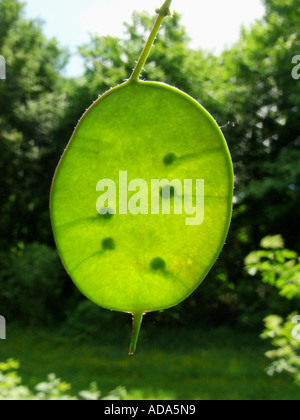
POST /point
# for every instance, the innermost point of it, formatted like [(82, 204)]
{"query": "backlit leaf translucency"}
[(138, 263)]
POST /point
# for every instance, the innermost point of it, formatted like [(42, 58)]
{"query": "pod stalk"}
[(165, 8), (162, 12), (136, 327)]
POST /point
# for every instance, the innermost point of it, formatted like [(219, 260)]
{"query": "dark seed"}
[(105, 213), (108, 244), (169, 159), (158, 264)]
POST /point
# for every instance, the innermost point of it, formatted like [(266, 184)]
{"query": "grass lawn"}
[(175, 364)]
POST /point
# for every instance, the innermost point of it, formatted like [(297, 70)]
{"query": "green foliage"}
[(53, 388), (280, 268), (32, 104), (263, 98), (286, 356), (88, 321), (31, 278), (277, 267)]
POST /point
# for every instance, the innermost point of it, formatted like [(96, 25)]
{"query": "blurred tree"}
[(264, 99), (31, 286), (32, 102), (257, 93)]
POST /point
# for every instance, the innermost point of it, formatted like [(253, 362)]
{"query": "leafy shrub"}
[(53, 388), (88, 320), (277, 266), (31, 284), (286, 356), (280, 268)]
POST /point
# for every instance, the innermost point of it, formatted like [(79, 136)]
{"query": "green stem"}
[(162, 12), (136, 327), (165, 8)]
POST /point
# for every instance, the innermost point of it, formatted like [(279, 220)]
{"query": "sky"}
[(211, 25)]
